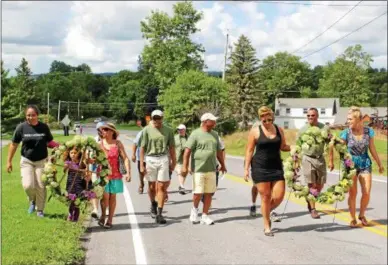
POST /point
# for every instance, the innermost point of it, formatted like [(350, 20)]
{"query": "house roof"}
[(342, 113), (306, 102)]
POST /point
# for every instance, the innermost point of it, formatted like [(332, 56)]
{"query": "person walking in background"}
[(93, 169), (266, 164), (204, 146), (35, 136), (313, 161), (180, 142), (136, 153), (113, 149), (156, 141), (359, 140)]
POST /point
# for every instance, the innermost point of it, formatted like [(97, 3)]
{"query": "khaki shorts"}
[(204, 182), (158, 168), (314, 169)]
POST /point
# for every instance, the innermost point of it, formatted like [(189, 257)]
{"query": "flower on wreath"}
[(53, 183), (311, 139)]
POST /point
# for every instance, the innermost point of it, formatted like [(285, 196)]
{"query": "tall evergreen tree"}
[(242, 76)]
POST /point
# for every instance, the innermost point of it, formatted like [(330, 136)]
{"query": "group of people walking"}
[(158, 152)]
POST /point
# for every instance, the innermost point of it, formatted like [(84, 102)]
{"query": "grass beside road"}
[(27, 239), (235, 145), (128, 127)]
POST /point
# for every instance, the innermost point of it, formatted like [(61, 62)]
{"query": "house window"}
[(288, 110), (286, 125), (323, 111), (277, 112), (305, 111)]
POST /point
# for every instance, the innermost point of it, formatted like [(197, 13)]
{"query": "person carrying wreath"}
[(313, 161), (359, 139)]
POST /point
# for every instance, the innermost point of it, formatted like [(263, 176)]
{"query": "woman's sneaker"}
[(205, 220), (31, 209), (40, 214)]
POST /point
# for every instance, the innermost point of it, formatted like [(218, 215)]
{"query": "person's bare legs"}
[(352, 201), (112, 207), (264, 189), (366, 186), (278, 191)]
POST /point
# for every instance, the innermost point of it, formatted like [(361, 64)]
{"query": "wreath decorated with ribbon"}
[(91, 154), (311, 139)]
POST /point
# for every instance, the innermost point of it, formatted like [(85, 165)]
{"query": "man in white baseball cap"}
[(204, 146), (157, 141), (180, 142)]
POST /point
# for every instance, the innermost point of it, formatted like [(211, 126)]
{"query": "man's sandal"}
[(140, 190)]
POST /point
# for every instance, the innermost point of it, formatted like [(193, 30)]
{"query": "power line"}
[(302, 3), (332, 25), (346, 35)]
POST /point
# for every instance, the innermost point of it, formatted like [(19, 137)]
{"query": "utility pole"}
[(48, 104), (226, 54), (59, 110)]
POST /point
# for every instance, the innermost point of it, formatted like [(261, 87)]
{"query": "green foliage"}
[(28, 239), (244, 93), (281, 73), (347, 78), (193, 94), (170, 50)]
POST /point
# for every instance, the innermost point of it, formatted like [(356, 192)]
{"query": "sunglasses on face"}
[(105, 130), (267, 121), (313, 115)]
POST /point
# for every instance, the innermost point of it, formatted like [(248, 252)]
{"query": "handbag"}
[(122, 168)]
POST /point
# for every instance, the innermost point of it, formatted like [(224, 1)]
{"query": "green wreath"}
[(87, 145), (310, 139)]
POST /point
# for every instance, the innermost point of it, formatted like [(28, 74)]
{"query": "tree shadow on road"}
[(321, 227)]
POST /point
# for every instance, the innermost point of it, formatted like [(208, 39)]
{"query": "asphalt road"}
[(236, 238)]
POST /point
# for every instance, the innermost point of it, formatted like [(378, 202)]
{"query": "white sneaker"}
[(205, 220), (194, 216)]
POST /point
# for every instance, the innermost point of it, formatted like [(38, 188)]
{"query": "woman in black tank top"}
[(266, 164)]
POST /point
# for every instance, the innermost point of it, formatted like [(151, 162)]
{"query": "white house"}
[(291, 113)]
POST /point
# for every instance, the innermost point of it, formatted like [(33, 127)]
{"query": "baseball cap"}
[(157, 113), (181, 127), (208, 116), (99, 124)]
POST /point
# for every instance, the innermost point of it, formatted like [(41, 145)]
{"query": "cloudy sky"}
[(106, 35)]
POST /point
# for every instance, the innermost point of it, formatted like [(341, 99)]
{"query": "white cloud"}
[(107, 36)]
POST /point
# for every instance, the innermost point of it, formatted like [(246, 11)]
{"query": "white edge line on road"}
[(136, 235), (334, 171)]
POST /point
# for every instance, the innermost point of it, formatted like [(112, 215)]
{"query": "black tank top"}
[(267, 155)]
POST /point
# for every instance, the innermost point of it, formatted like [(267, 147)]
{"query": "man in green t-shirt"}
[(313, 161), (204, 146), (157, 150), (180, 142)]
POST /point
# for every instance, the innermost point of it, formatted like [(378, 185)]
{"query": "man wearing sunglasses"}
[(157, 150), (313, 161)]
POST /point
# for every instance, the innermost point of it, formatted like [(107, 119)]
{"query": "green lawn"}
[(235, 145), (129, 127), (27, 239)]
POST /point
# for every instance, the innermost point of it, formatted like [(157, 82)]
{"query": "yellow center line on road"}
[(378, 228)]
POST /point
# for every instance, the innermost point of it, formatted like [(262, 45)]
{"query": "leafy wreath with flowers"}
[(91, 151), (310, 139)]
